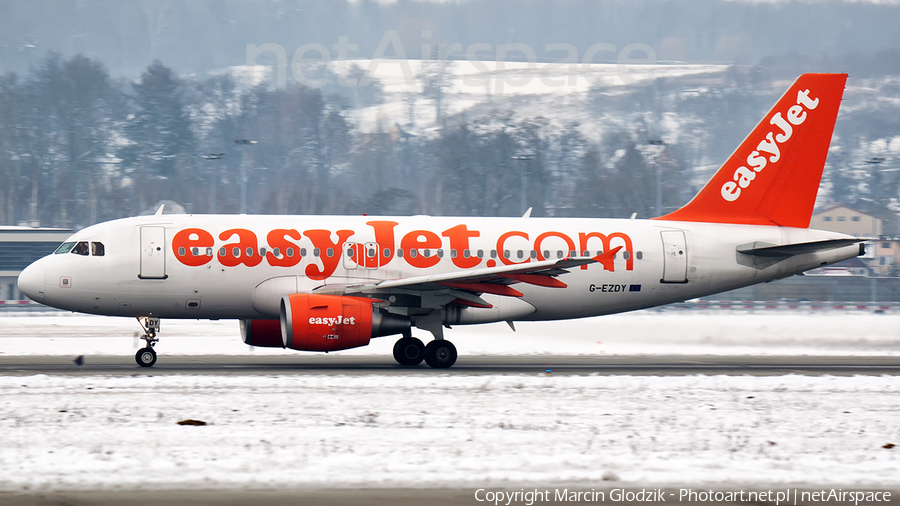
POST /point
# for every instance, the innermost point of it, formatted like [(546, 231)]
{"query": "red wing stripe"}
[(462, 302), (486, 288), (537, 279)]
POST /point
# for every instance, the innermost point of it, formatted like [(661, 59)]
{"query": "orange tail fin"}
[(773, 177)]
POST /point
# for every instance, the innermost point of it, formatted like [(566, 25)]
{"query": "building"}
[(885, 256), (19, 246), (846, 220)]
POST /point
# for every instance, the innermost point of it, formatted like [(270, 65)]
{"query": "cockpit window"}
[(81, 248), (97, 249), (64, 248)]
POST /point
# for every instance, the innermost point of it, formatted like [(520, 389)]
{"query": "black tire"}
[(409, 351), (440, 354), (145, 357)]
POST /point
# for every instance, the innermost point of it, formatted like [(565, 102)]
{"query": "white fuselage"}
[(144, 269)]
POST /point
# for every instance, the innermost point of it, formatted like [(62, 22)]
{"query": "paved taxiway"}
[(655, 365)]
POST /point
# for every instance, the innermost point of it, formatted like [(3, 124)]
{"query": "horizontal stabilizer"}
[(786, 250)]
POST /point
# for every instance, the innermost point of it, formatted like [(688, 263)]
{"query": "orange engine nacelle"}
[(311, 322), (263, 333)]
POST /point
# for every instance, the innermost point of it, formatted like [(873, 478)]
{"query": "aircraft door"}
[(372, 256), (153, 253), (361, 255), (674, 257), (351, 252)]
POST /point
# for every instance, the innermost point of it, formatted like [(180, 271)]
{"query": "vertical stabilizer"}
[(773, 177)]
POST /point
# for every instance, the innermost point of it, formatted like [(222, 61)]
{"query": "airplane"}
[(328, 283)]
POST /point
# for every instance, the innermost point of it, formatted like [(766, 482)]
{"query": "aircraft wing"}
[(463, 287)]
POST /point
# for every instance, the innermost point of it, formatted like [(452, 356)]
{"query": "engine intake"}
[(312, 322), (262, 333)]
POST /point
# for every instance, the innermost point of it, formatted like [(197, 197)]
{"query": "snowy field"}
[(444, 431), (561, 93), (651, 332), (435, 429)]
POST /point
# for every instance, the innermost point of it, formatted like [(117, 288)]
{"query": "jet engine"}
[(262, 333), (311, 322)]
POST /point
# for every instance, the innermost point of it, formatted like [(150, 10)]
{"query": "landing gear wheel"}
[(409, 351), (145, 357), (440, 354)]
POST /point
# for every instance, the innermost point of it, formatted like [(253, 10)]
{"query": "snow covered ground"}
[(544, 89), (651, 332), (433, 429)]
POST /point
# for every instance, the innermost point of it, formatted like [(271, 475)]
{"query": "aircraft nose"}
[(31, 282)]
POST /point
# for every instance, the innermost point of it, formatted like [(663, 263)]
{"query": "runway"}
[(304, 364)]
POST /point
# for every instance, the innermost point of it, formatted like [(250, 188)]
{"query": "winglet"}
[(527, 213), (773, 177), (607, 258), (160, 210)]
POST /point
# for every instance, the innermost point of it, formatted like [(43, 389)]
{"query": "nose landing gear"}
[(146, 357)]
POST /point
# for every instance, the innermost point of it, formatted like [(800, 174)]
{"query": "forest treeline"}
[(78, 146)]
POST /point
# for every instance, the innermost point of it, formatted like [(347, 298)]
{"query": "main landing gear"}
[(439, 353), (146, 357)]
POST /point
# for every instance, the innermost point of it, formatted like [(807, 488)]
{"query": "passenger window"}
[(64, 248), (81, 248)]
